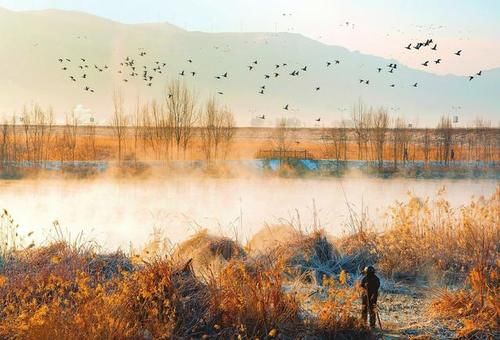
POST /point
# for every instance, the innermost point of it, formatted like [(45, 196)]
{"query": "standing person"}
[(370, 285)]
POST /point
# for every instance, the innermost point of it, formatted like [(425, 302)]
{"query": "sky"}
[(378, 27)]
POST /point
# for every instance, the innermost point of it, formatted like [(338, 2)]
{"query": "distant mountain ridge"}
[(34, 41)]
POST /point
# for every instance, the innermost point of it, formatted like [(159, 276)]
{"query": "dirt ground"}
[(402, 311)]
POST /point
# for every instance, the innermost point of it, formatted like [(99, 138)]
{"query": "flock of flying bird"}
[(130, 69)]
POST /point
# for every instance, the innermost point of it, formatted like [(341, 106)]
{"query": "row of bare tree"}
[(167, 130), (33, 137), (379, 137), (171, 128)]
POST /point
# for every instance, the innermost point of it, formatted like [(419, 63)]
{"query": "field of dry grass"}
[(285, 283), (100, 143)]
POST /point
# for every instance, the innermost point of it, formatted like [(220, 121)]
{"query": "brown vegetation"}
[(70, 290)]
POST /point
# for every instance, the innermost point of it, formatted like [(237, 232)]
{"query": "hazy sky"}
[(379, 27)]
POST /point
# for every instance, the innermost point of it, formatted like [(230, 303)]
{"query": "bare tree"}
[(336, 142), (445, 136), (216, 129), (4, 143), (181, 114), (361, 118), (70, 136), (426, 148), (119, 122), (379, 131)]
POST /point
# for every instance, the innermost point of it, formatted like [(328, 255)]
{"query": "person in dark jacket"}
[(370, 285)]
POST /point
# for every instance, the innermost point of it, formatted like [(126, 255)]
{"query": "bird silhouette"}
[(286, 107), (276, 75), (471, 77), (379, 70), (318, 88), (182, 73), (64, 68), (367, 82), (415, 85), (190, 61), (261, 91), (255, 62), (87, 88), (225, 75), (438, 61), (426, 63), (458, 52), (267, 76), (84, 76), (72, 78), (277, 66), (263, 87), (304, 68), (328, 64), (82, 59), (221, 93), (479, 73), (250, 68), (393, 85), (60, 60), (262, 117), (361, 81), (408, 47), (193, 73), (435, 47), (318, 120)]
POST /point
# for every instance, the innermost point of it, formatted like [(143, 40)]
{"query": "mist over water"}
[(119, 212)]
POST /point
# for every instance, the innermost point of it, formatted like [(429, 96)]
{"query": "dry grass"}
[(69, 290), (476, 309)]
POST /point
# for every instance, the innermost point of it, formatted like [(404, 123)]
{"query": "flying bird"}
[(415, 85), (286, 107), (408, 47), (435, 47), (458, 52), (479, 73), (318, 120), (262, 117), (426, 63), (438, 61)]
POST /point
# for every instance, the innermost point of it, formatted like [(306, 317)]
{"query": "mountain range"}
[(33, 42)]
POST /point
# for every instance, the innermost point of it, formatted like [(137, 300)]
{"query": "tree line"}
[(168, 129), (379, 137)]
